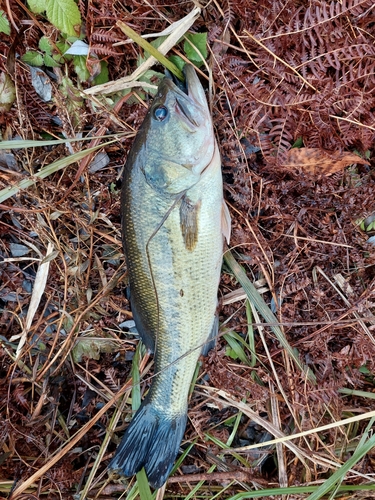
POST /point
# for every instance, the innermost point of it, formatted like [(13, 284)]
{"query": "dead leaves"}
[(318, 162)]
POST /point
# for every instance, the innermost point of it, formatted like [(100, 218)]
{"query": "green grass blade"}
[(354, 392), (183, 456), (28, 143), (224, 446), (235, 345), (250, 334), (195, 377), (365, 434), (136, 378), (48, 170), (133, 494), (297, 490), (338, 476), (257, 300), (143, 486), (147, 46), (235, 429), (198, 486)]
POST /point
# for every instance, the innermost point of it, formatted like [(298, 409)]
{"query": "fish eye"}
[(160, 113)]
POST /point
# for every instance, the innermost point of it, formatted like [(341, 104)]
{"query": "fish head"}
[(179, 139)]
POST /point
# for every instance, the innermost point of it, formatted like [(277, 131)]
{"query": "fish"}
[(174, 224)]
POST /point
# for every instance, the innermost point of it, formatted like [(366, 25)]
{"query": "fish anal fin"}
[(189, 213), (212, 338), (225, 222)]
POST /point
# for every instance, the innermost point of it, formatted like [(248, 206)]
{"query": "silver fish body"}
[(174, 221)]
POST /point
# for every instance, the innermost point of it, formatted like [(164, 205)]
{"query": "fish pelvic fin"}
[(225, 222), (151, 441)]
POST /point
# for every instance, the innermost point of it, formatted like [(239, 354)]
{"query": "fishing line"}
[(156, 230)]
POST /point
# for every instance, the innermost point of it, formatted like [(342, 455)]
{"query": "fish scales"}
[(172, 215), (186, 302)]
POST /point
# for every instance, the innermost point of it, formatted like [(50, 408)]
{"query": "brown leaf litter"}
[(284, 73)]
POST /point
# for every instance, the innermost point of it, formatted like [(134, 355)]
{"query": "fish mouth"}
[(179, 84), (191, 102)]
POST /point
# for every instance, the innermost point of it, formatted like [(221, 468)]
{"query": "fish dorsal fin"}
[(225, 221), (189, 222)]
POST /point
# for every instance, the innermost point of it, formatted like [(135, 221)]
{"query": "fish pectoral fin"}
[(225, 222), (189, 212)]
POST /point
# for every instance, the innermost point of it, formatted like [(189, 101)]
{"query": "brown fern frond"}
[(102, 35), (228, 14), (39, 112), (214, 33), (103, 50)]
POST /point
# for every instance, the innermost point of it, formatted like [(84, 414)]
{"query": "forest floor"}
[(291, 86)]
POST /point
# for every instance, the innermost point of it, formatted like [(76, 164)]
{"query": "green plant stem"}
[(154, 52)]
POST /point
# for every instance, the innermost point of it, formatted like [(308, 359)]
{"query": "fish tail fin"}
[(151, 441)]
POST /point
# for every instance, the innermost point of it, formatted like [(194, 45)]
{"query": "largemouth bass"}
[(174, 220)]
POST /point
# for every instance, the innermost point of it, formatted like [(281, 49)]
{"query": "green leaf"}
[(363, 369), (195, 47), (7, 92), (65, 15), (236, 351), (57, 57), (50, 61), (92, 348), (153, 77), (103, 76), (37, 6), (63, 46), (298, 143), (4, 23), (45, 45), (74, 101), (33, 58), (177, 61), (156, 44), (81, 68)]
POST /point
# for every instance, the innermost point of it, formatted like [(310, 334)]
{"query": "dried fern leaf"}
[(315, 161)]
